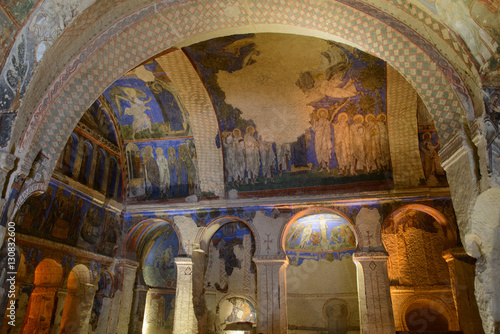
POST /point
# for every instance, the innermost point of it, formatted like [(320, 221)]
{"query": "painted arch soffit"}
[(42, 125)]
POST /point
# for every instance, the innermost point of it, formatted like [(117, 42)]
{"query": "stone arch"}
[(205, 235), (227, 248), (320, 242), (336, 24), (337, 326), (136, 240), (426, 310), (41, 306), (444, 222), (314, 211), (243, 317)]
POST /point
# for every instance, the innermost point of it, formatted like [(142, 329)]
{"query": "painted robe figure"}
[(371, 143), (283, 153), (357, 133), (342, 143), (229, 153), (162, 162), (323, 135), (429, 156), (141, 120), (173, 166), (252, 154), (238, 164), (152, 172), (267, 158), (384, 155), (322, 139)]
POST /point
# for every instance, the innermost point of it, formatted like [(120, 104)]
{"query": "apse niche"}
[(319, 246)]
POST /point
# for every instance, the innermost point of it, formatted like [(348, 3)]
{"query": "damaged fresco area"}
[(329, 105)]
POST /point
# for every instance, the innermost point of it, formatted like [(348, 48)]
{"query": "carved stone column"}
[(375, 304), (61, 298), (462, 273), (127, 294), (184, 318), (271, 294), (87, 301), (139, 308)]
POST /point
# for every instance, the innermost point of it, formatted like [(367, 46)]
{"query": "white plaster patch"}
[(277, 105), (189, 230), (269, 231)]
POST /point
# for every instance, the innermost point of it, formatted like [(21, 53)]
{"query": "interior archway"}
[(320, 243)]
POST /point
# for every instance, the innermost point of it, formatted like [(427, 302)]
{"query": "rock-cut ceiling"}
[(252, 115)]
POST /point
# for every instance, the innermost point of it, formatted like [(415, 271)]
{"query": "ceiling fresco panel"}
[(295, 110)]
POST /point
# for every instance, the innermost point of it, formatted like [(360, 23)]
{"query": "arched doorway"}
[(319, 244), (415, 237), (229, 281), (155, 243)]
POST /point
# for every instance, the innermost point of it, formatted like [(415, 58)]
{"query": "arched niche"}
[(236, 313), (415, 236), (425, 313), (155, 243), (229, 244), (319, 244), (337, 314), (78, 303), (41, 306)]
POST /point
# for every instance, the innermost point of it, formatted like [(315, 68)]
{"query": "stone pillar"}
[(87, 301), (462, 271), (184, 318), (483, 243), (271, 294), (102, 323), (127, 288), (139, 308), (61, 299), (375, 304)]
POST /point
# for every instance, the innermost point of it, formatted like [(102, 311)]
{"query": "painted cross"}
[(369, 238), (268, 241)]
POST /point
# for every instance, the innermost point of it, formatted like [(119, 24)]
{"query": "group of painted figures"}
[(247, 154), (164, 177), (360, 144), (354, 146)]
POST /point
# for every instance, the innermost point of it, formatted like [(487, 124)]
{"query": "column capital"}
[(127, 264), (370, 256), (7, 161), (459, 254), (183, 261), (271, 259)]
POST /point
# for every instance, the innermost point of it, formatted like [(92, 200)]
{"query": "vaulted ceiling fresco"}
[(293, 113), (324, 236)]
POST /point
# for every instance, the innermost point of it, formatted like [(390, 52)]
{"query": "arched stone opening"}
[(320, 244), (423, 314), (156, 243), (416, 237), (337, 313), (41, 306), (236, 314), (228, 270)]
